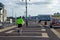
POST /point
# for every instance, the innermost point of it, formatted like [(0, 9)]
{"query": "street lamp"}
[(26, 12), (12, 11)]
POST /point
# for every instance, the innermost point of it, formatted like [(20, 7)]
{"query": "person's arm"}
[(23, 22)]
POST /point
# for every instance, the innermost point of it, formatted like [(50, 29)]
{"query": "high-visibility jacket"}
[(20, 21)]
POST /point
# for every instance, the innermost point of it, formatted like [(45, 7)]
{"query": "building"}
[(3, 13), (45, 19)]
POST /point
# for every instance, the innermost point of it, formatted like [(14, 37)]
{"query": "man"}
[(20, 23)]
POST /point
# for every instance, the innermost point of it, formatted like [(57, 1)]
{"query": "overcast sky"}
[(39, 7)]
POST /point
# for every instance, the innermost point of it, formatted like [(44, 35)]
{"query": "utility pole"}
[(12, 12), (15, 18), (26, 13)]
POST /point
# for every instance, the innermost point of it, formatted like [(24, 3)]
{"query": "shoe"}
[(18, 31)]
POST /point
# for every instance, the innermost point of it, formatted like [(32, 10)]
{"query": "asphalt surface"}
[(32, 32), (29, 33)]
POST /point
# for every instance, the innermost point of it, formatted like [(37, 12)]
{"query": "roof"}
[(42, 17), (1, 5)]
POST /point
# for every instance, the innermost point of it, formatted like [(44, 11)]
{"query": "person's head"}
[(20, 16)]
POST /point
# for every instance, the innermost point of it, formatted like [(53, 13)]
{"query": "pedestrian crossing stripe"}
[(27, 36), (44, 35), (38, 29), (10, 31), (43, 29), (31, 28), (27, 31), (7, 28)]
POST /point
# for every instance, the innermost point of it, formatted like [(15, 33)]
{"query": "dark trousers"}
[(19, 25)]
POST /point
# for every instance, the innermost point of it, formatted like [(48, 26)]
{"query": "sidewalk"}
[(58, 30)]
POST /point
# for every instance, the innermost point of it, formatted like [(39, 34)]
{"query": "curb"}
[(55, 32)]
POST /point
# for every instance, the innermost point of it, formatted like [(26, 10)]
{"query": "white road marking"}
[(35, 30), (24, 32), (45, 35), (31, 28), (7, 28), (26, 36), (10, 31), (43, 29), (27, 31)]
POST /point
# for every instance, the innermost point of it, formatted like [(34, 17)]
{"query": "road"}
[(29, 33)]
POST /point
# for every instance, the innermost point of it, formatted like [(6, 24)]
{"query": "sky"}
[(36, 7)]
